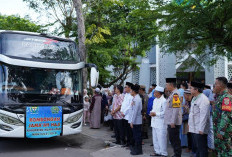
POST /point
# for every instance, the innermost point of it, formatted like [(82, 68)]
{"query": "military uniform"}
[(223, 124), (173, 115), (145, 118)]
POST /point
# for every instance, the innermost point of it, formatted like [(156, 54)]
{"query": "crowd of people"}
[(192, 115)]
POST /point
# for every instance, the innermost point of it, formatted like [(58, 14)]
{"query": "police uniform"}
[(223, 125), (173, 115), (199, 121)]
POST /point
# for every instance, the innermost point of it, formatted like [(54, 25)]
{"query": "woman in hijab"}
[(95, 110)]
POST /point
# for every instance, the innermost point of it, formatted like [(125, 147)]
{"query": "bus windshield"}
[(34, 85), (36, 47)]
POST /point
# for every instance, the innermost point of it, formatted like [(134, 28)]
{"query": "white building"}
[(156, 66)]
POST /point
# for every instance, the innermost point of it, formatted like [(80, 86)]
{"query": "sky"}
[(18, 7)]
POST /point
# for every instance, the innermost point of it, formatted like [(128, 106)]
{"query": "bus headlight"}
[(73, 119), (10, 120)]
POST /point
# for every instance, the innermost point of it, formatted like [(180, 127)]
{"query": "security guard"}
[(222, 119), (199, 119), (173, 115)]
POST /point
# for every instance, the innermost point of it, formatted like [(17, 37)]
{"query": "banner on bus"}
[(43, 121)]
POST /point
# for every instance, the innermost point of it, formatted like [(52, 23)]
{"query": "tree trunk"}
[(81, 36)]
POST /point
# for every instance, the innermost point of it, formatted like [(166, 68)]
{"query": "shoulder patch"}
[(226, 104), (176, 101)]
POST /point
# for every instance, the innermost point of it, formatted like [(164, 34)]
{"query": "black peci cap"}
[(207, 87), (197, 84), (135, 87), (154, 85), (229, 85), (170, 80), (129, 84)]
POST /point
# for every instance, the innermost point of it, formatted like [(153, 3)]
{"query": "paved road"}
[(90, 143), (70, 146)]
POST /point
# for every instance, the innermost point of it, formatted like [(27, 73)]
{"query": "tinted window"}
[(39, 48), (27, 85)]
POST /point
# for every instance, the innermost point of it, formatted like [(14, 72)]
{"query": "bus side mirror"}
[(94, 76)]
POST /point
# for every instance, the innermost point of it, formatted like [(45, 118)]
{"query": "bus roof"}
[(36, 34)]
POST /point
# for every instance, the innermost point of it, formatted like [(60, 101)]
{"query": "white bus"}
[(41, 85)]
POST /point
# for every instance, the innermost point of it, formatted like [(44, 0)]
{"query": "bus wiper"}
[(37, 100), (66, 103)]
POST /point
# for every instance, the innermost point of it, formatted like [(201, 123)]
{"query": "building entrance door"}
[(190, 76), (187, 72)]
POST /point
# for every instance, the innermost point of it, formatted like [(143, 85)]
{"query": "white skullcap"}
[(159, 89), (97, 90)]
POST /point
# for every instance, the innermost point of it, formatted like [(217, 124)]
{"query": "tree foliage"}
[(116, 32), (199, 27), (120, 31), (61, 14), (20, 24)]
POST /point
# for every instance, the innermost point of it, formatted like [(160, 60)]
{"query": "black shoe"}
[(116, 142), (137, 150), (145, 135), (125, 145), (113, 136)]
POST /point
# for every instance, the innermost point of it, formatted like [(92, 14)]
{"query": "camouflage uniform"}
[(223, 125)]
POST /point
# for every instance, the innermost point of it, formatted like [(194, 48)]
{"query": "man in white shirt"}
[(125, 113), (199, 118), (135, 120), (159, 128)]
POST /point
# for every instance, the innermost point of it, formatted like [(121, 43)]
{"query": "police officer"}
[(199, 119), (173, 116), (135, 120), (222, 119)]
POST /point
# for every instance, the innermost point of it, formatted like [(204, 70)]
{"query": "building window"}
[(229, 72), (153, 75), (135, 77)]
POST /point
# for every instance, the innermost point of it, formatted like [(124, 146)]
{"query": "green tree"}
[(199, 27), (117, 31), (128, 31), (14, 22), (60, 13)]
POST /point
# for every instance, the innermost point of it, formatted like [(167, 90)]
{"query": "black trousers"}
[(189, 136), (128, 132), (137, 134), (175, 139), (119, 132), (200, 142)]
